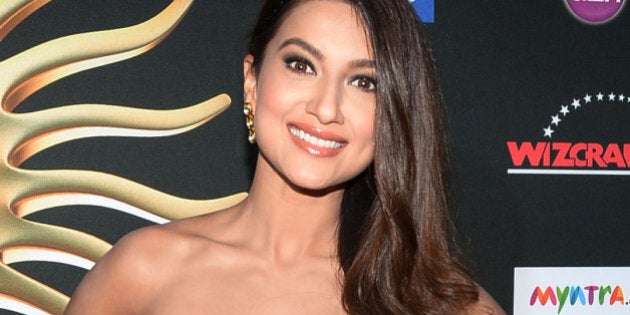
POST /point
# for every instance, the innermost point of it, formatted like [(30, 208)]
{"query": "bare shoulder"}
[(486, 305), (133, 272)]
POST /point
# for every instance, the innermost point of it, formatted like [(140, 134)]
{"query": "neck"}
[(287, 223)]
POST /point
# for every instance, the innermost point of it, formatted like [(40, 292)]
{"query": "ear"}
[(249, 82)]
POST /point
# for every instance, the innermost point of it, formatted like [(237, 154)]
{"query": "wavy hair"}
[(395, 237)]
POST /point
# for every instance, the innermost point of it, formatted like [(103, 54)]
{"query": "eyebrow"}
[(359, 63), (304, 45), (363, 63)]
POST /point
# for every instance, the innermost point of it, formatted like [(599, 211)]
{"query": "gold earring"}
[(249, 121)]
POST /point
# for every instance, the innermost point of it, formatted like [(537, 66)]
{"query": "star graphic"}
[(611, 96), (548, 131), (587, 99), (576, 103), (555, 120), (564, 110), (600, 96), (621, 97)]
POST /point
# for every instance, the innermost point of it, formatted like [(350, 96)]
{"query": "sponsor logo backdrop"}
[(565, 290), (539, 159), (530, 72)]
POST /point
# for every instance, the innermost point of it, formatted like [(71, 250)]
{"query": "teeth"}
[(330, 144)]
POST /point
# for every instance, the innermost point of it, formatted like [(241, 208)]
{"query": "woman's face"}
[(314, 98)]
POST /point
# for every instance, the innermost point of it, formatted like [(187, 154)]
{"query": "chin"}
[(315, 187)]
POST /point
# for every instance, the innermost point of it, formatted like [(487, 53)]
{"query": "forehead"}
[(327, 23)]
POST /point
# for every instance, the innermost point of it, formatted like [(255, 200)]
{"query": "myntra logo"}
[(588, 295)]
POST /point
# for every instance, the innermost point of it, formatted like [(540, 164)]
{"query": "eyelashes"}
[(363, 82), (303, 66), (299, 64)]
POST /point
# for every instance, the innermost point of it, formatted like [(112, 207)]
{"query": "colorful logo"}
[(551, 157), (595, 11), (589, 295), (425, 9), (571, 290)]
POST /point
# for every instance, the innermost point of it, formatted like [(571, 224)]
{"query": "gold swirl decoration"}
[(23, 135)]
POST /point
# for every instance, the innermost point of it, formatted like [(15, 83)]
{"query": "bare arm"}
[(120, 282)]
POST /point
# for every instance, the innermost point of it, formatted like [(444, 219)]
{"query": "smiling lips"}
[(315, 145)]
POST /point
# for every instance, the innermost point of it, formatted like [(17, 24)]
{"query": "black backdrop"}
[(505, 69)]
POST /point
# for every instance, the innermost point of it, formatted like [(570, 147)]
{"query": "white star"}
[(548, 131), (611, 96), (565, 110), (621, 97), (600, 96), (555, 120), (587, 98), (576, 103)]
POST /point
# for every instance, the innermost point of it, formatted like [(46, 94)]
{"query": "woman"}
[(347, 209)]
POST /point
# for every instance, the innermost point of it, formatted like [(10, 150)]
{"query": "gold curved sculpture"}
[(23, 135)]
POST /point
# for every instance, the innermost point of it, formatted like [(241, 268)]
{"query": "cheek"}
[(364, 133), (274, 102), (360, 111), (364, 124), (269, 103), (273, 93)]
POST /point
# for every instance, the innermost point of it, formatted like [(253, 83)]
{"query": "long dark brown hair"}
[(395, 237)]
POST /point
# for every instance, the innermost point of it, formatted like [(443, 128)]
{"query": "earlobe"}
[(249, 80)]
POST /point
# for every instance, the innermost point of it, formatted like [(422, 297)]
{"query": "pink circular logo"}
[(595, 11)]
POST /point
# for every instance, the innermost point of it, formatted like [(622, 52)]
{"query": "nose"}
[(326, 103)]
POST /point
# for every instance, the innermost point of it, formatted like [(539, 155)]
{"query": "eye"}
[(299, 65), (364, 83)]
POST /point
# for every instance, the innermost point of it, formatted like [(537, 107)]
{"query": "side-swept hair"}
[(395, 236)]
